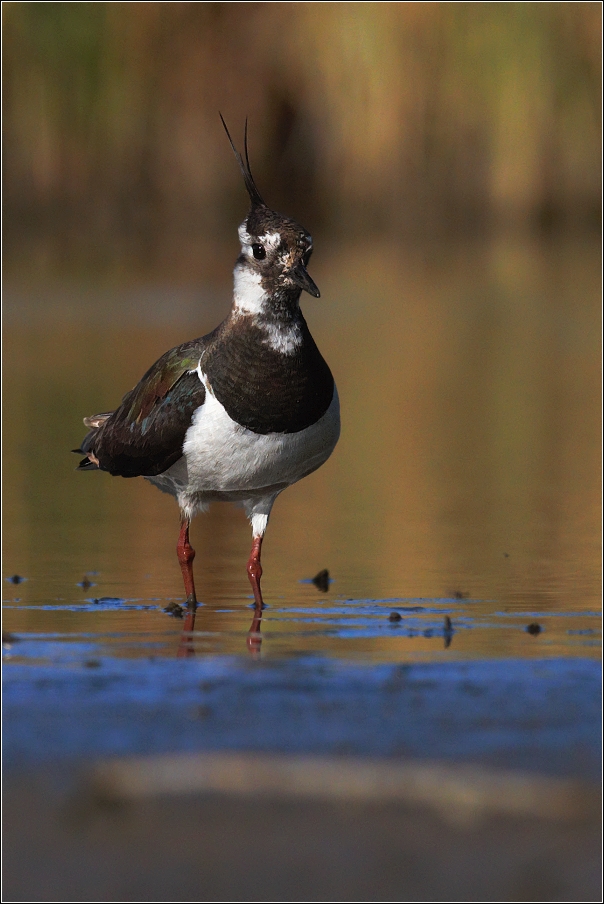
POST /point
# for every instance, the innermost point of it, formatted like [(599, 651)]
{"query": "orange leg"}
[(254, 571), (186, 554)]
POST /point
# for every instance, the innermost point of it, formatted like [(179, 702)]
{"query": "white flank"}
[(222, 457)]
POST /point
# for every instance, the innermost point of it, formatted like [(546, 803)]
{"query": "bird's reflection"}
[(254, 637), (186, 647), (253, 641)]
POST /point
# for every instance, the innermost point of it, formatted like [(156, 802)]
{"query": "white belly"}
[(221, 457)]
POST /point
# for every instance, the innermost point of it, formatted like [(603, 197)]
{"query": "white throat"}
[(250, 299), (248, 295)]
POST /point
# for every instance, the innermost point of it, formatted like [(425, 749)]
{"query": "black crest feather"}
[(246, 172)]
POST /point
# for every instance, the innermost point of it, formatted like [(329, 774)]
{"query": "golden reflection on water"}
[(468, 462)]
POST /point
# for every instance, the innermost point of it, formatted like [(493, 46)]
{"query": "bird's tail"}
[(86, 464), (91, 462)]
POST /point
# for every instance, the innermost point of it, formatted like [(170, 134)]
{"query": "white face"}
[(250, 295)]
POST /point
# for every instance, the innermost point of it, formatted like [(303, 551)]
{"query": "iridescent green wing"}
[(145, 435), (142, 405)]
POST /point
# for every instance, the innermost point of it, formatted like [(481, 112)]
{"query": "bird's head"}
[(275, 250)]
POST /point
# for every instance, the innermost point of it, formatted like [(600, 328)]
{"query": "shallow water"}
[(465, 483)]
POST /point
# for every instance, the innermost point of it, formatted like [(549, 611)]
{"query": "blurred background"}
[(412, 118), (446, 158)]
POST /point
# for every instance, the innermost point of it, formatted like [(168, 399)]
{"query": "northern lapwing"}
[(240, 414)]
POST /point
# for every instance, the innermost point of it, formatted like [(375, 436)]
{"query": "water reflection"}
[(254, 637), (468, 464), (186, 647)]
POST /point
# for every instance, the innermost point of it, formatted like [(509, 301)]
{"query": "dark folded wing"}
[(145, 435)]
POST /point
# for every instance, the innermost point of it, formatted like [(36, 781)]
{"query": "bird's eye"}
[(259, 252)]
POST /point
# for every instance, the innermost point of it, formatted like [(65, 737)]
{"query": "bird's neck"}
[(253, 297), (275, 314)]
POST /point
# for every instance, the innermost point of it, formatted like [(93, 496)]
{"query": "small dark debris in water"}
[(321, 580), (92, 663), (107, 599), (174, 609), (448, 632), (395, 617), (8, 638), (460, 595), (534, 628), (85, 584), (428, 632), (16, 579), (506, 555)]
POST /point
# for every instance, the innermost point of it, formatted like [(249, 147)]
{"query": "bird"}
[(237, 415)]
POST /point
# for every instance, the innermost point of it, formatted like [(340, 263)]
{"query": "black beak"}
[(299, 275)]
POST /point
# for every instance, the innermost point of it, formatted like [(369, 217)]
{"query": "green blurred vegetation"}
[(417, 117)]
